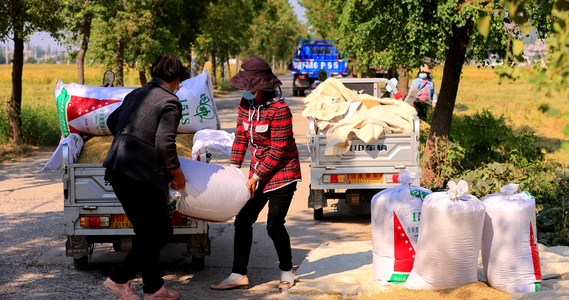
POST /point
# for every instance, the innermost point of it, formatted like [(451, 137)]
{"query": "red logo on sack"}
[(403, 249)]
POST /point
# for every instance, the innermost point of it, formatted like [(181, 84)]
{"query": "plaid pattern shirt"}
[(267, 130)]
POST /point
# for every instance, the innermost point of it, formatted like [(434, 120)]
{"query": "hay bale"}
[(95, 148)]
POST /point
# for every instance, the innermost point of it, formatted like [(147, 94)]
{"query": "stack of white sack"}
[(213, 193), (85, 109), (509, 246), (395, 219), (449, 240)]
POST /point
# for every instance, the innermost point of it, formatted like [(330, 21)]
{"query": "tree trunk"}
[(83, 49), (15, 103), (403, 85), (120, 62), (213, 71), (142, 76), (237, 64), (442, 117), (222, 70), (228, 69), (201, 65)]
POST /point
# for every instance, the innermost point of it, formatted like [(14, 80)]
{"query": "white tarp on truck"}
[(335, 109)]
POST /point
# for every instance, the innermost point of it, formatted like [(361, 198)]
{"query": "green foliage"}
[(322, 17), (488, 154), (40, 125), (489, 139), (224, 86)]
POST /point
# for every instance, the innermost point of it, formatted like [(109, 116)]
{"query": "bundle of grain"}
[(395, 217), (449, 240), (509, 245)]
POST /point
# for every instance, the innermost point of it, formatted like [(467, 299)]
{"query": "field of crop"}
[(520, 104), (479, 89)]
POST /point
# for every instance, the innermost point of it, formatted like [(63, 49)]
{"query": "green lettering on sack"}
[(61, 102), (418, 194), (398, 278), (204, 110), (418, 217)]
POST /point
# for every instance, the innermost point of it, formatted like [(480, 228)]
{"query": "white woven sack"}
[(198, 107), (395, 218), (74, 143), (84, 109), (509, 246), (449, 240), (213, 193)]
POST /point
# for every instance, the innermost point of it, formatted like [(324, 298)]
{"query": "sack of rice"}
[(395, 218), (449, 240), (213, 193), (84, 109), (509, 245), (198, 107)]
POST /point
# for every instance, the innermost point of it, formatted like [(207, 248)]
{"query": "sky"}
[(44, 40)]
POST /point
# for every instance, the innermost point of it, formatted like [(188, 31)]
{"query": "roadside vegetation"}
[(502, 134)]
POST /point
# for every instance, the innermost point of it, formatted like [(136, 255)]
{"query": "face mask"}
[(248, 95), (422, 75)]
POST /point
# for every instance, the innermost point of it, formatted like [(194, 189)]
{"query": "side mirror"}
[(108, 78)]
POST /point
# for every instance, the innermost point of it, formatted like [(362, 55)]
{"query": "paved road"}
[(32, 261)]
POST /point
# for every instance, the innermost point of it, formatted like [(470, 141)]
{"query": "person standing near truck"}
[(140, 164), (264, 123), (427, 95)]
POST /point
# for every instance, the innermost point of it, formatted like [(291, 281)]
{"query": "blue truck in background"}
[(312, 56)]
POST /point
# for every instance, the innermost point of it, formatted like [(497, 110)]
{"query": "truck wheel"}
[(198, 263), (319, 214), (81, 263), (295, 93), (301, 93)]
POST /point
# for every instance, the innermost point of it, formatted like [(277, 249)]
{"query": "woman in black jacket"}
[(140, 164)]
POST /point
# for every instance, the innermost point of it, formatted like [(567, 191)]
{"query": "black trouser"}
[(146, 207), (421, 108), (279, 202)]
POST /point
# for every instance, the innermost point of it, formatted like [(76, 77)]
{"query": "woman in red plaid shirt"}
[(264, 123)]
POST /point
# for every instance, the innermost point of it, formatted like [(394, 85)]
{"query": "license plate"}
[(364, 178), (120, 221)]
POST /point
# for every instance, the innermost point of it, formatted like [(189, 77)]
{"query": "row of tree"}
[(130, 34)]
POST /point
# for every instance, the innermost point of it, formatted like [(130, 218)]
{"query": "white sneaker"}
[(233, 281)]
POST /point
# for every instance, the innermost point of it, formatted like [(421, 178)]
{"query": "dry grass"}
[(519, 102)]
